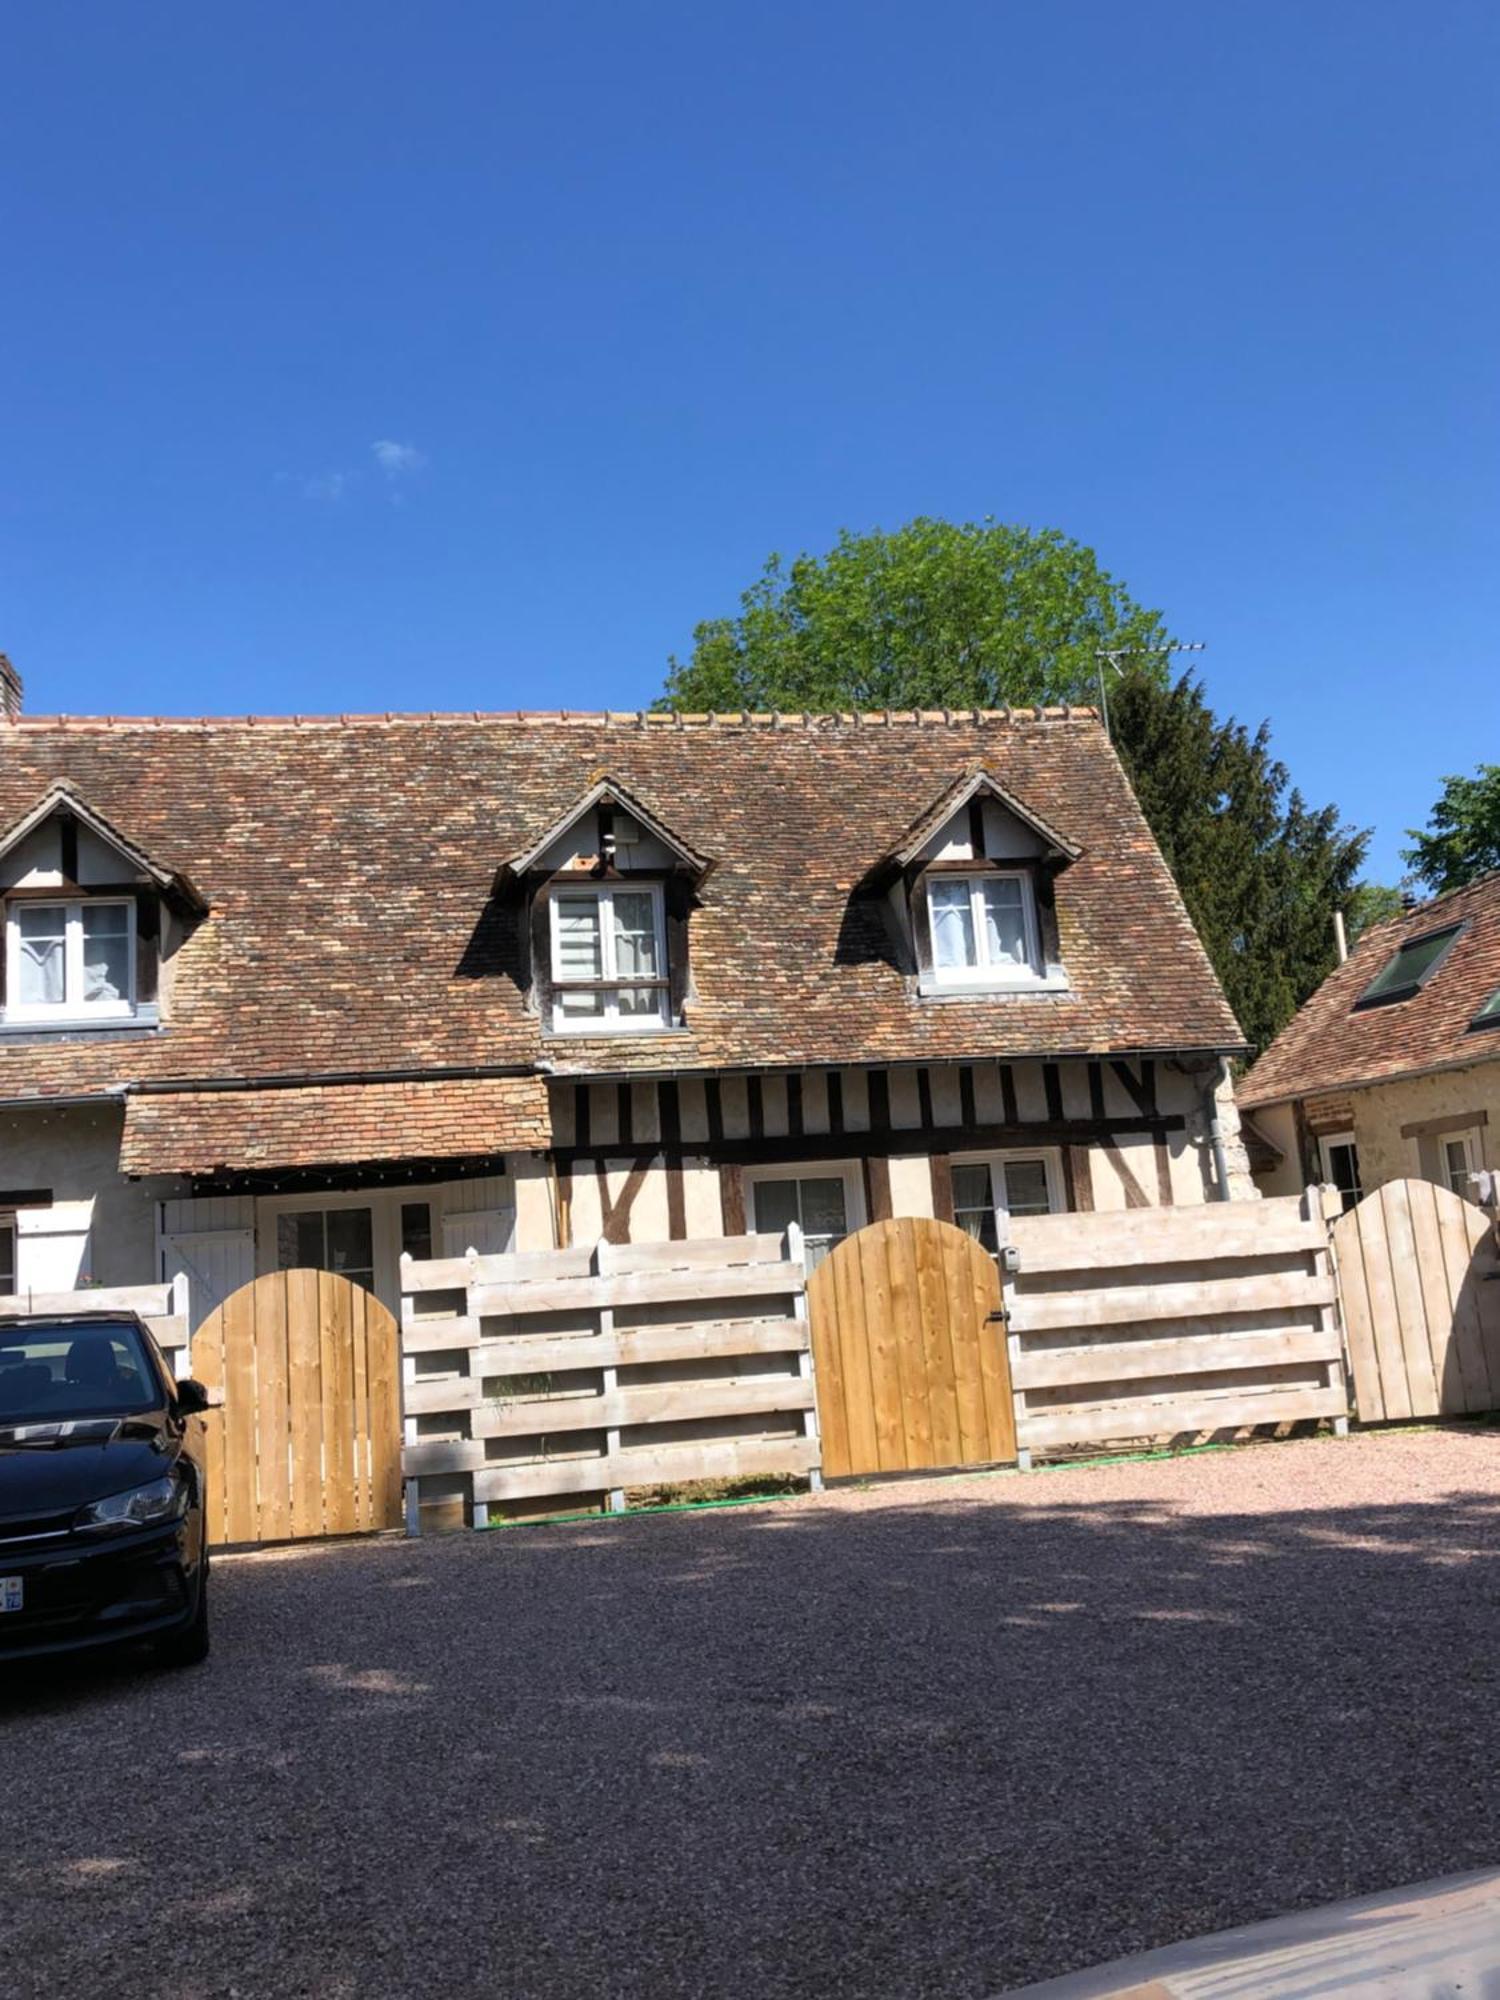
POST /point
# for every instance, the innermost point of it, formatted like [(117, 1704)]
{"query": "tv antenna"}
[(1113, 658)]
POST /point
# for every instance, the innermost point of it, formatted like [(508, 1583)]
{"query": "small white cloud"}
[(397, 461), (330, 486)]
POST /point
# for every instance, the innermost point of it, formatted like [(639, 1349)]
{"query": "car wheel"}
[(189, 1646)]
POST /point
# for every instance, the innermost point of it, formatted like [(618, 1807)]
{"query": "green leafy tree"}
[(935, 615), (1260, 870), (941, 615), (1371, 903), (1462, 839)]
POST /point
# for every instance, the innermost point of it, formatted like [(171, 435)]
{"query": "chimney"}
[(10, 692)]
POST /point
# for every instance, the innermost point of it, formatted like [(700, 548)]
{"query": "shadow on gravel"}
[(931, 1749)]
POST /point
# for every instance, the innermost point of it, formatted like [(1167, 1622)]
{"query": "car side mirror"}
[(191, 1397)]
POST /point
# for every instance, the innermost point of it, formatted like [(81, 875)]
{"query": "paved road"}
[(926, 1740)]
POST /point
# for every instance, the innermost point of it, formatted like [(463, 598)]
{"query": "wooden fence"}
[(164, 1308), (574, 1373), (1161, 1323)]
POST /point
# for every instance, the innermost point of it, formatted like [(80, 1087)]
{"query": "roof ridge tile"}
[(566, 718)]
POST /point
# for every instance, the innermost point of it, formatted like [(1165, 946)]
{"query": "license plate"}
[(12, 1592)]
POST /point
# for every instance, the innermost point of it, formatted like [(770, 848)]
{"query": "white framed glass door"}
[(825, 1201)]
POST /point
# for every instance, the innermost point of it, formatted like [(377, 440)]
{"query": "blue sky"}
[(370, 356)]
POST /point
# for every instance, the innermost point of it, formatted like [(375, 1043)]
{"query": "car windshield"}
[(51, 1370)]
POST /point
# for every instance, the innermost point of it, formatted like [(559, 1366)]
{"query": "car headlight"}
[(165, 1499)]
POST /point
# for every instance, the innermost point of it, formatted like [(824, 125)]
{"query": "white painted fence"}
[(163, 1307), (529, 1377), (1156, 1323)]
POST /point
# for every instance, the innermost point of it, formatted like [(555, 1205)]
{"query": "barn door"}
[(909, 1354), (488, 1231), (1419, 1282), (215, 1263), (308, 1439)]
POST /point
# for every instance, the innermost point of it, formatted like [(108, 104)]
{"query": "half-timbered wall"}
[(647, 1160), (641, 1161)]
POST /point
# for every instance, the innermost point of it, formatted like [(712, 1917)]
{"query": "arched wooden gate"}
[(909, 1352), (308, 1439), (1419, 1281)]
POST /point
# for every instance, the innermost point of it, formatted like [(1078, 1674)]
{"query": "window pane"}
[(635, 935), (40, 971), (823, 1212), (952, 924), (578, 952), (638, 1000), (416, 1229), (1004, 922), (775, 1205), (7, 1258), (971, 1187), (1405, 972), (1343, 1167), (582, 1004), (1457, 1155), (980, 1224), (350, 1245), (299, 1241), (106, 953), (1026, 1187)]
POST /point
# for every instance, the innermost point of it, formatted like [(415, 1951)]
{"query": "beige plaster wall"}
[(99, 1226)]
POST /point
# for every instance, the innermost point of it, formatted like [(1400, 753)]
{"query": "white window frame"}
[(8, 1230), (1326, 1143), (1469, 1139), (271, 1208), (68, 1008), (610, 1021), (1051, 1159), (850, 1172), (985, 972)]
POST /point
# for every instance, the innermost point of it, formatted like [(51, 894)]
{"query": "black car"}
[(101, 1491)]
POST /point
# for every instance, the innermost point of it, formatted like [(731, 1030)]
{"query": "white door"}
[(489, 1231), (216, 1263)]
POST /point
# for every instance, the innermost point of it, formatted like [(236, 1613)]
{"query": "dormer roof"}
[(952, 799), (62, 800), (606, 790)]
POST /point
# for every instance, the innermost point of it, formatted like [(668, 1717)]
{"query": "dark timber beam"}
[(858, 1145)]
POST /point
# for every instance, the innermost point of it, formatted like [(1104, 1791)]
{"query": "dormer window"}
[(609, 959), (608, 888), (88, 918), (984, 928), (970, 894), (70, 959)]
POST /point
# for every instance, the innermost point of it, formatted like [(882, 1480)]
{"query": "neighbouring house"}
[(318, 991), (1392, 1068)]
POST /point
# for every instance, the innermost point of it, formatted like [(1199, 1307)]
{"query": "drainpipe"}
[(1216, 1130)]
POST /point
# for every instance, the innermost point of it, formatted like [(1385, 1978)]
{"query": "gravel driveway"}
[(930, 1739)]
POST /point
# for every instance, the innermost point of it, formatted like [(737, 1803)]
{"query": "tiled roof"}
[(349, 866), (1330, 1047), (198, 1132)]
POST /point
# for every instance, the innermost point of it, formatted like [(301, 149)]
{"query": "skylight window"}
[(1411, 968), (1489, 1014)]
